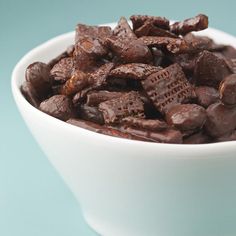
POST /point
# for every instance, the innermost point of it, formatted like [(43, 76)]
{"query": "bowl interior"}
[(50, 49)]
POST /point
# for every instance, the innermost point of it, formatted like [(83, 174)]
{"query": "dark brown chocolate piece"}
[(210, 70), (128, 51), (186, 116), (164, 136), (30, 94), (206, 95), (94, 98), (38, 75), (116, 109), (123, 30), (136, 71), (58, 106), (229, 52), (77, 82), (149, 29), (62, 70), (197, 138), (168, 87), (172, 45), (148, 124), (101, 129), (229, 137), (228, 90), (91, 114), (100, 32), (197, 23), (221, 120), (139, 20)]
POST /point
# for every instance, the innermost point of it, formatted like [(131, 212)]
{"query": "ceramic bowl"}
[(135, 188)]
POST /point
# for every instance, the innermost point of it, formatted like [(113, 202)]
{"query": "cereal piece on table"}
[(186, 116), (58, 106), (227, 90), (206, 95), (30, 94), (197, 23), (210, 70), (149, 29), (123, 30), (139, 20), (148, 124), (136, 71), (116, 109), (77, 82), (91, 114), (38, 75), (168, 87), (128, 51), (221, 120), (62, 70), (94, 98)]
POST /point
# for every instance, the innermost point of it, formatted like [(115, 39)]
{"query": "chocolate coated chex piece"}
[(136, 71), (197, 23), (210, 70), (62, 70), (229, 137), (94, 98), (116, 109), (139, 20), (100, 32), (149, 29), (59, 106), (149, 124), (128, 51), (173, 45), (197, 138), (91, 114), (100, 129), (123, 30), (164, 136), (98, 78), (168, 87)]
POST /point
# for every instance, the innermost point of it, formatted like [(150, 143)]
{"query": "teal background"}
[(34, 201)]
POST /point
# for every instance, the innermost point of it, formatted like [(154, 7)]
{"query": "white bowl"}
[(134, 188)]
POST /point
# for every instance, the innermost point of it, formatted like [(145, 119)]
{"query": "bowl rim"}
[(21, 101)]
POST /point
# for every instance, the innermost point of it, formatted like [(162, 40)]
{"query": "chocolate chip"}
[(206, 95), (58, 106), (221, 120), (197, 23), (186, 116), (168, 87), (38, 75), (228, 90), (116, 109)]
